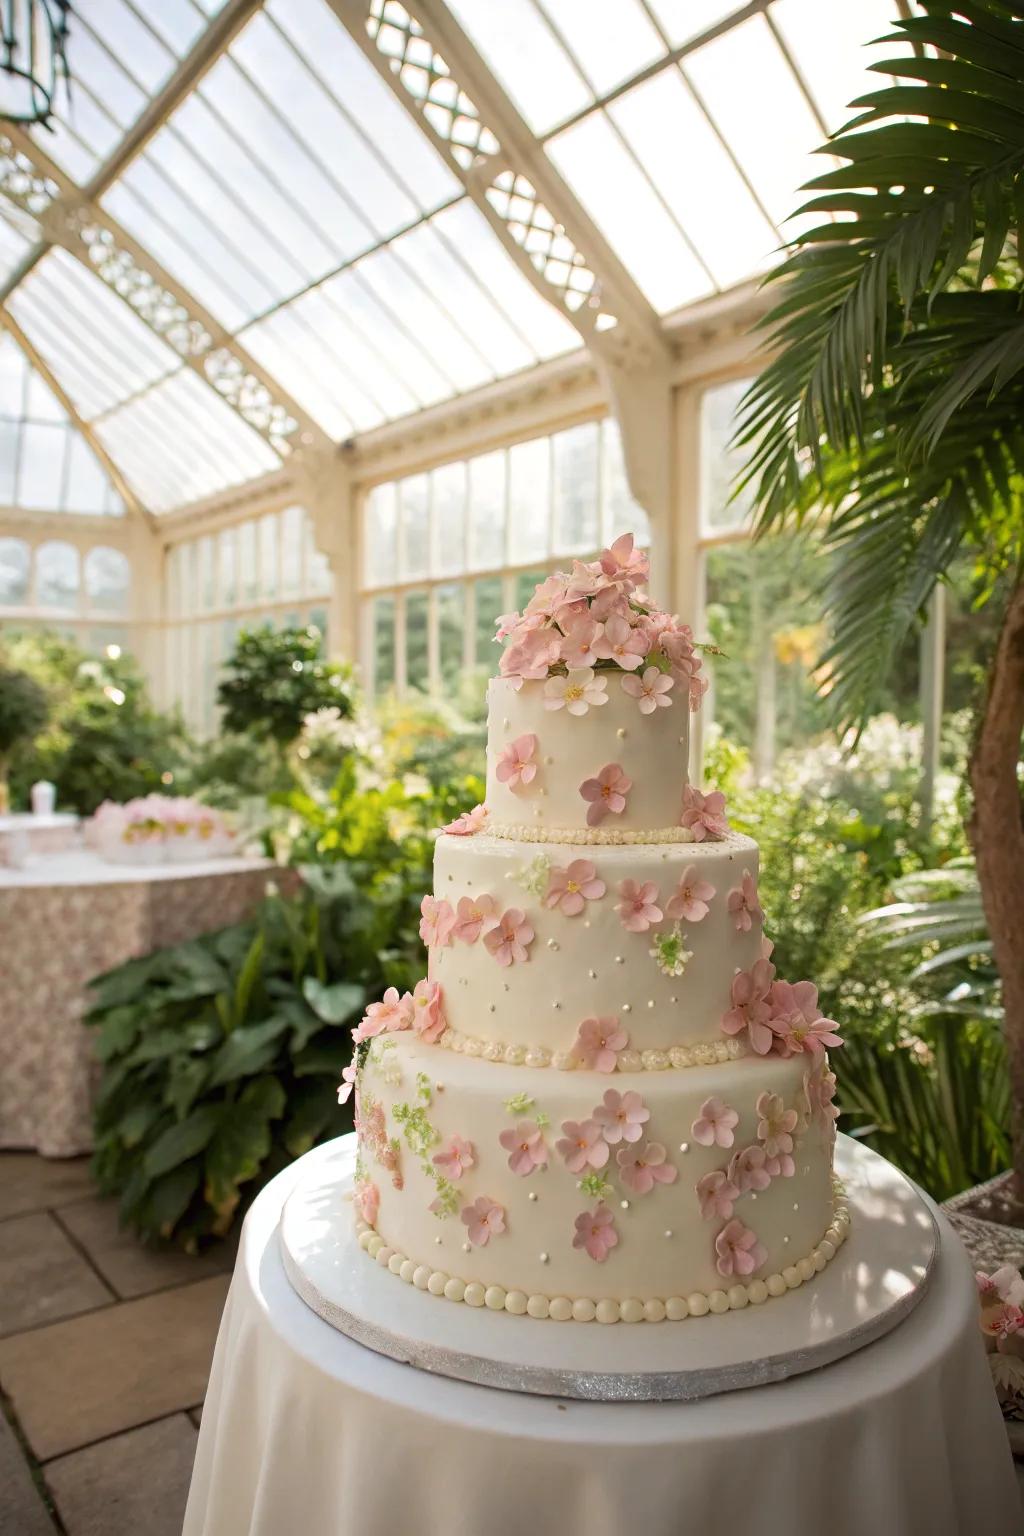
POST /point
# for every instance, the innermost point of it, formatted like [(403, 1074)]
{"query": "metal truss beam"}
[(445, 86), (33, 182)]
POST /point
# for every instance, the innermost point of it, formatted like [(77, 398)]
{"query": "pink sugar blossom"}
[(715, 1124), (532, 654), (586, 579), (437, 921), (547, 598), (640, 1168), (570, 889), (739, 1252), (598, 1043), (651, 691), (505, 624), (579, 642), (621, 1116), (820, 1091), (750, 1009), (622, 644), (624, 560), (510, 939), (692, 895), (767, 947), (367, 1202), (749, 1170), (469, 823), (582, 1146), (472, 914), (606, 794), (595, 1232), (455, 1158), (796, 1020), (717, 1194), (576, 692), (612, 602), (775, 1125), (390, 1014), (743, 904), (638, 908), (485, 1219), (349, 1078), (525, 1145), (515, 766), (704, 814), (428, 1018), (1004, 1322)]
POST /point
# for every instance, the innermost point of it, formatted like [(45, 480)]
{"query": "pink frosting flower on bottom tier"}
[(525, 1145), (717, 1194), (455, 1158), (642, 1168), (715, 1124), (622, 1116), (595, 1231), (582, 1145), (368, 1202), (570, 889), (750, 1170), (598, 1043), (485, 1219), (738, 1250)]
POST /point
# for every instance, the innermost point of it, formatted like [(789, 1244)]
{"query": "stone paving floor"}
[(105, 1348)]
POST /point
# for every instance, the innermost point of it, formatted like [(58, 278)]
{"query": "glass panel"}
[(318, 568), (685, 19), (268, 555), (57, 576), (488, 594), (15, 565), (10, 433), (529, 500), (318, 621), (18, 233), (487, 489), (13, 378), (416, 624), (829, 49), (619, 512), (610, 47), (87, 488), (293, 528), (41, 404), (206, 573), (577, 528), (619, 197), (250, 584), (383, 632), (380, 554), (719, 465), (227, 559), (451, 611), (526, 582), (189, 578), (527, 58), (41, 467), (107, 580), (414, 542), (449, 486)]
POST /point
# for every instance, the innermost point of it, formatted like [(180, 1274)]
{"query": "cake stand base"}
[(874, 1281)]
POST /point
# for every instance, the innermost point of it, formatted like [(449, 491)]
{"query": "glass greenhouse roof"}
[(313, 182)]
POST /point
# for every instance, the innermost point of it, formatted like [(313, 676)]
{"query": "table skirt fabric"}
[(54, 938), (306, 1431)]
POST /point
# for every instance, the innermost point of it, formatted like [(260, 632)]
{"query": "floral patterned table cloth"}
[(65, 918)]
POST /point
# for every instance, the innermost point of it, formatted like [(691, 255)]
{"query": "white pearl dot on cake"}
[(438, 1241), (439, 1087), (506, 723), (668, 1231), (684, 1146), (552, 944), (556, 1005), (785, 1239), (549, 760), (586, 922), (624, 1204), (796, 1205), (592, 975), (621, 733), (754, 1195), (467, 1248), (545, 1258), (627, 1008), (542, 790), (619, 959), (492, 1007), (532, 1195), (650, 1002)]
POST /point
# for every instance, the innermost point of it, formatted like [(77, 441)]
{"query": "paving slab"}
[(29, 1182), (110, 1371), (22, 1510), (131, 1268), (43, 1277), (132, 1483)]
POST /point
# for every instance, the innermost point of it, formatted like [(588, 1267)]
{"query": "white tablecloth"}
[(305, 1433)]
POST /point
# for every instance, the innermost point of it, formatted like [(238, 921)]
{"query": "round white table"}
[(306, 1431)]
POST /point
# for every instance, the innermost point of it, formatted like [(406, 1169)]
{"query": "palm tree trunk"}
[(997, 833)]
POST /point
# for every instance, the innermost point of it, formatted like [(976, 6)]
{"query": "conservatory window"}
[(107, 580), (57, 576), (15, 572)]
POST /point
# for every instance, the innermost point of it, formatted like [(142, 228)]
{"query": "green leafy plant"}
[(891, 413), (274, 678), (24, 708)]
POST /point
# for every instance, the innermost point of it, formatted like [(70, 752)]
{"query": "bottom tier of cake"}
[(580, 1194)]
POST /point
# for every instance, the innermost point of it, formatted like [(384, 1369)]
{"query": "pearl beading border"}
[(707, 1053), (587, 836), (564, 1309)]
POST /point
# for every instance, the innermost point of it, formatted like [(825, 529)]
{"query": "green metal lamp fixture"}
[(33, 58)]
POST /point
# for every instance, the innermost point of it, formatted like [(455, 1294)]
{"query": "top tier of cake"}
[(568, 753)]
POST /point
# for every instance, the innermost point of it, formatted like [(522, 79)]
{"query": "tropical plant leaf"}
[(182, 1141), (247, 1050), (335, 1003)]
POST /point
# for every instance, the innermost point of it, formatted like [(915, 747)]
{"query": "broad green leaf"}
[(168, 1199), (182, 1141), (248, 1050), (336, 1003)]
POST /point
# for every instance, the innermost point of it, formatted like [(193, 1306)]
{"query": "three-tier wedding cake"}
[(600, 1102)]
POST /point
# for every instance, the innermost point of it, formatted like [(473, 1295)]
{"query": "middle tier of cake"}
[(649, 935)]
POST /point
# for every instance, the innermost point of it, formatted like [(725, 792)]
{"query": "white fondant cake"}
[(600, 1102)]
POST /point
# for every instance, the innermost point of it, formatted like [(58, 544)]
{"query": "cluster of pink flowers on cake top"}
[(595, 1232), (781, 1017), (599, 617)]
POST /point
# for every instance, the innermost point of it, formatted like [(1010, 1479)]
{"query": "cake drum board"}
[(876, 1278)]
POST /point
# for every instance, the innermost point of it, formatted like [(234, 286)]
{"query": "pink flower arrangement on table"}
[(367, 1201), (595, 1232), (484, 1219), (582, 1145), (576, 692), (738, 1251), (509, 940), (640, 1168), (690, 903), (428, 1018), (638, 909), (776, 1126), (749, 1170), (621, 1116), (715, 1124), (516, 766), (526, 1147), (437, 921), (717, 1195), (570, 889), (1001, 1316), (651, 691), (472, 915), (743, 905), (391, 1014), (606, 794), (598, 1043), (455, 1158), (469, 823), (704, 814), (598, 617)]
